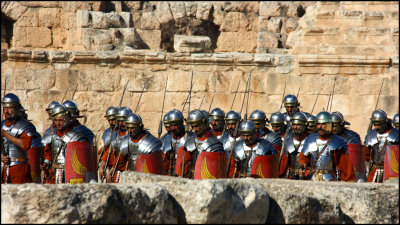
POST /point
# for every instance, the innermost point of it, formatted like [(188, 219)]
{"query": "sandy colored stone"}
[(237, 41), (13, 9)]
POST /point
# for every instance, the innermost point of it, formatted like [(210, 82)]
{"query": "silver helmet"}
[(338, 118), (197, 117), (72, 107), (247, 127), (51, 106), (133, 120), (122, 113), (379, 116), (311, 120), (299, 118), (166, 119), (258, 116), (62, 111), (395, 120), (111, 112), (175, 116), (277, 118), (290, 100), (325, 118), (232, 117), (217, 114), (205, 113), (11, 100)]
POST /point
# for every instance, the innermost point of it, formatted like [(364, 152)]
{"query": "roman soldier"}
[(260, 119), (248, 149), (69, 144), (110, 155), (277, 121), (324, 153), (48, 133), (217, 122), (229, 138), (311, 123), (289, 167), (291, 105), (173, 141), (378, 141), (166, 124), (140, 149), (353, 141), (202, 141), (17, 135), (111, 112)]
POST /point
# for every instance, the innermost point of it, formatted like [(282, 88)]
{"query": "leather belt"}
[(18, 160)]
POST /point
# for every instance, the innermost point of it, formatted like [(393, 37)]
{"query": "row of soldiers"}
[(204, 145)]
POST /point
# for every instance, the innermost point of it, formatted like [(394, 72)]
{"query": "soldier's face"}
[(134, 132), (59, 122), (8, 112), (121, 125), (260, 126), (112, 122), (177, 128), (217, 125), (323, 129), (297, 128), (231, 127), (336, 128), (249, 139), (289, 109), (380, 127), (276, 128)]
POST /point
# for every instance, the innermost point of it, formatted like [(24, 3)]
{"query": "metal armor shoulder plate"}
[(212, 144), (289, 144), (337, 143), (23, 125), (238, 151), (264, 147), (393, 137), (310, 144), (166, 141), (352, 137), (149, 144), (190, 143), (78, 133), (106, 136), (47, 136), (124, 145), (371, 139), (85, 131), (274, 138), (37, 140)]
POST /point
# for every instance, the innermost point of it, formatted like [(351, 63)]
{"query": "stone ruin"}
[(48, 46)]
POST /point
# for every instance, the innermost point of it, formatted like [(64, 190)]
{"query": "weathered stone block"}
[(149, 21), (30, 18), (275, 24), (152, 38), (13, 9), (49, 17), (82, 19), (269, 9), (163, 12), (235, 21), (237, 41), (184, 43), (203, 10)]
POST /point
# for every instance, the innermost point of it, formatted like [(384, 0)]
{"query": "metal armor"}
[(272, 137), (106, 136), (170, 143), (372, 140), (350, 137), (293, 150), (47, 135), (324, 162), (116, 139), (242, 153), (148, 144), (227, 141), (78, 133), (211, 144), (16, 130)]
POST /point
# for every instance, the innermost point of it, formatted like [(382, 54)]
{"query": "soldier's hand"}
[(108, 178), (5, 159), (45, 171)]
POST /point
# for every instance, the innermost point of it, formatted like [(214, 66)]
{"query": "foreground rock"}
[(88, 203), (144, 198)]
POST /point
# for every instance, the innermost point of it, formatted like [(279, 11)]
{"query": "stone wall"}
[(48, 46)]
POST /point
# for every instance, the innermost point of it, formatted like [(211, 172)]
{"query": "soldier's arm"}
[(367, 153), (304, 161), (343, 163), (24, 142), (48, 158)]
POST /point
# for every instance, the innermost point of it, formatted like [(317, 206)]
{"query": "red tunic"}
[(21, 173)]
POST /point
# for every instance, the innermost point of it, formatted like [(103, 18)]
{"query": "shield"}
[(265, 166), (210, 165), (34, 163), (179, 158), (150, 163), (79, 163), (391, 166), (357, 157)]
